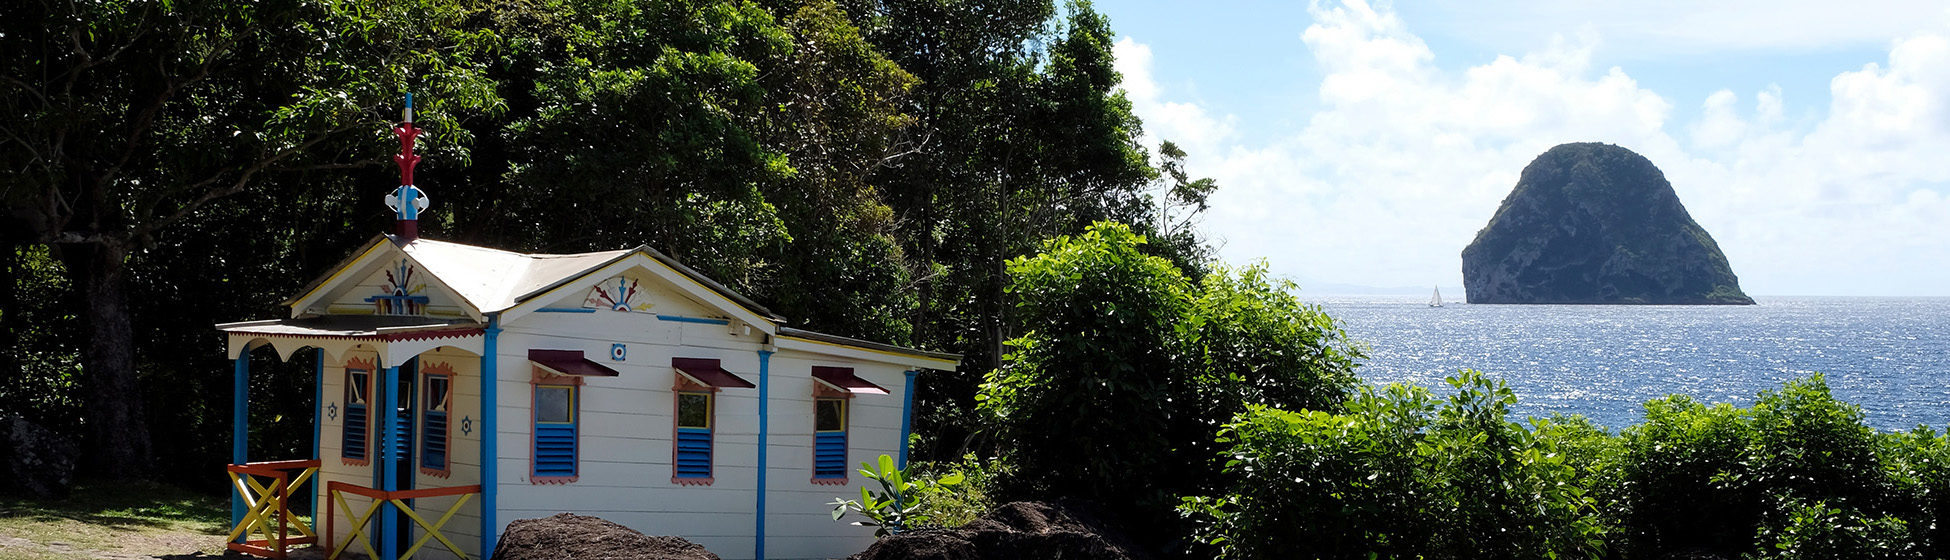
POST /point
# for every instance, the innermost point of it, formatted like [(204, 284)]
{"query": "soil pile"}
[(581, 537), (1015, 530)]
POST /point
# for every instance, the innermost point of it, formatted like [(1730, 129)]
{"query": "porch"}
[(399, 443)]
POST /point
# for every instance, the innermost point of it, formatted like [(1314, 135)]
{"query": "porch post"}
[(764, 425), (907, 417), (317, 426), (388, 474), (490, 436), (239, 425)]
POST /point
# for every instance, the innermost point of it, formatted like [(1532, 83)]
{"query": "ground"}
[(116, 521)]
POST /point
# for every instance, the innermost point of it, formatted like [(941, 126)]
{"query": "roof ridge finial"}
[(407, 201)]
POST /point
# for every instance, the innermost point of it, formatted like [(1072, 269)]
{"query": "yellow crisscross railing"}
[(360, 520), (265, 488)]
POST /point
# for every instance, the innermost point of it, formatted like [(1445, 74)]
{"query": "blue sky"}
[(1365, 144)]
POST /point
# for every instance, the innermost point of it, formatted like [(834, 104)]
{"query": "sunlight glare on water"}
[(1891, 356)]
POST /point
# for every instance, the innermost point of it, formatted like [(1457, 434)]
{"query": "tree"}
[(122, 121), (1119, 342)]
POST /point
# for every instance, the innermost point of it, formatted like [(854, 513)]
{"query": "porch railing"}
[(398, 498), (266, 527)]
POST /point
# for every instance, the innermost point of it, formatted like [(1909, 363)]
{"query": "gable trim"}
[(642, 257), (365, 258)]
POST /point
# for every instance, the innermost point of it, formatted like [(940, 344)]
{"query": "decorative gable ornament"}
[(621, 293), (397, 297)]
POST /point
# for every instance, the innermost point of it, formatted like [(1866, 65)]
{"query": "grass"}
[(114, 520)]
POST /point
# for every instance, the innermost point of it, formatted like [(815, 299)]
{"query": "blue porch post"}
[(907, 417), (764, 428), (240, 431), (388, 474), (317, 426), (490, 377)]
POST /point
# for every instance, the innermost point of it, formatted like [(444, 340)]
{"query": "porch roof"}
[(357, 326), (336, 334)]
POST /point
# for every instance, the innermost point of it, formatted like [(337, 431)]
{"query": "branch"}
[(234, 187)]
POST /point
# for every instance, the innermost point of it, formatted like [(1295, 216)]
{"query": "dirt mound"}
[(581, 537), (1015, 530)]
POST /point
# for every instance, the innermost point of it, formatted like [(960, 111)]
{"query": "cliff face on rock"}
[(1596, 223)]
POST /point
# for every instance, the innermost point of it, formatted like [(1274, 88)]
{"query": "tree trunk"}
[(117, 429)]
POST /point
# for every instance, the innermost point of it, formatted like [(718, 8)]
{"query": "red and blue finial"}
[(407, 201)]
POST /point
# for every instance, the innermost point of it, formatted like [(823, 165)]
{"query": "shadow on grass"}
[(126, 506)]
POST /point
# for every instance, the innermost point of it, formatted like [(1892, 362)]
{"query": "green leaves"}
[(898, 505)]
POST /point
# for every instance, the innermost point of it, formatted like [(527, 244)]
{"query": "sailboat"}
[(1437, 300)]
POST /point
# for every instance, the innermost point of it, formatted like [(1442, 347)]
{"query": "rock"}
[(1596, 223), (38, 462), (1014, 530), (571, 536)]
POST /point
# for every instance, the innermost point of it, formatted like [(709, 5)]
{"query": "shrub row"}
[(1399, 474)]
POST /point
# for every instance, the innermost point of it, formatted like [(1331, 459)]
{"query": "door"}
[(399, 460)]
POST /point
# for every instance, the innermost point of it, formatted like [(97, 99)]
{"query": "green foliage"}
[(1102, 358), (898, 505), (1122, 343), (1397, 476), (1814, 530), (957, 505)]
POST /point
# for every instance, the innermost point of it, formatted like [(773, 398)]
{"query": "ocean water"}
[(1891, 356)]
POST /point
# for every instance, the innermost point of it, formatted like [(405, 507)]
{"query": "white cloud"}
[(1656, 28), (1403, 161)]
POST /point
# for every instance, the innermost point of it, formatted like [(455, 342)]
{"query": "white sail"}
[(1436, 301)]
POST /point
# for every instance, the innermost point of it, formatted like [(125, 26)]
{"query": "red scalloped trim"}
[(692, 481), (841, 481), (356, 462), (551, 479), (436, 472)]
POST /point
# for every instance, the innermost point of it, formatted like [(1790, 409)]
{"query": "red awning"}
[(843, 379), (707, 372), (568, 362)]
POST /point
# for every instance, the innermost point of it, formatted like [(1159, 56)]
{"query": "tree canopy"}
[(866, 168)]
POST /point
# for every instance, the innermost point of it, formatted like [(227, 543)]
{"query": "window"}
[(434, 430), (358, 397), (692, 463), (829, 439), (833, 391), (555, 429), (695, 390)]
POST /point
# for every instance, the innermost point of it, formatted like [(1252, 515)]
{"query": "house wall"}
[(464, 452), (626, 426), (624, 453), (799, 522)]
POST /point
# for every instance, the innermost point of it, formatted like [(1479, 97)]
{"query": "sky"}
[(1365, 143)]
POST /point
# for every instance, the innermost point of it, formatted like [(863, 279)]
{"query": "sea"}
[(1890, 356)]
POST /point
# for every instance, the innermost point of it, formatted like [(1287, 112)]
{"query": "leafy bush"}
[(1684, 477), (897, 506), (1395, 476), (1122, 343), (955, 505)]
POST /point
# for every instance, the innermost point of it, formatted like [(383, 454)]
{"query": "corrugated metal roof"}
[(493, 280)]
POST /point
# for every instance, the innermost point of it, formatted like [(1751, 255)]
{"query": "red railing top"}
[(273, 468), (337, 486)]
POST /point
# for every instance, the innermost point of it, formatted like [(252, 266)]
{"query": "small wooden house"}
[(461, 387)]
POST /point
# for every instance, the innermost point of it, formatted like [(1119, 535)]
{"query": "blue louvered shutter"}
[(829, 455), (433, 442), (555, 431), (353, 445), (403, 433), (555, 450), (693, 453), (433, 424)]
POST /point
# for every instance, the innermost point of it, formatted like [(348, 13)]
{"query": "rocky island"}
[(1592, 223)]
